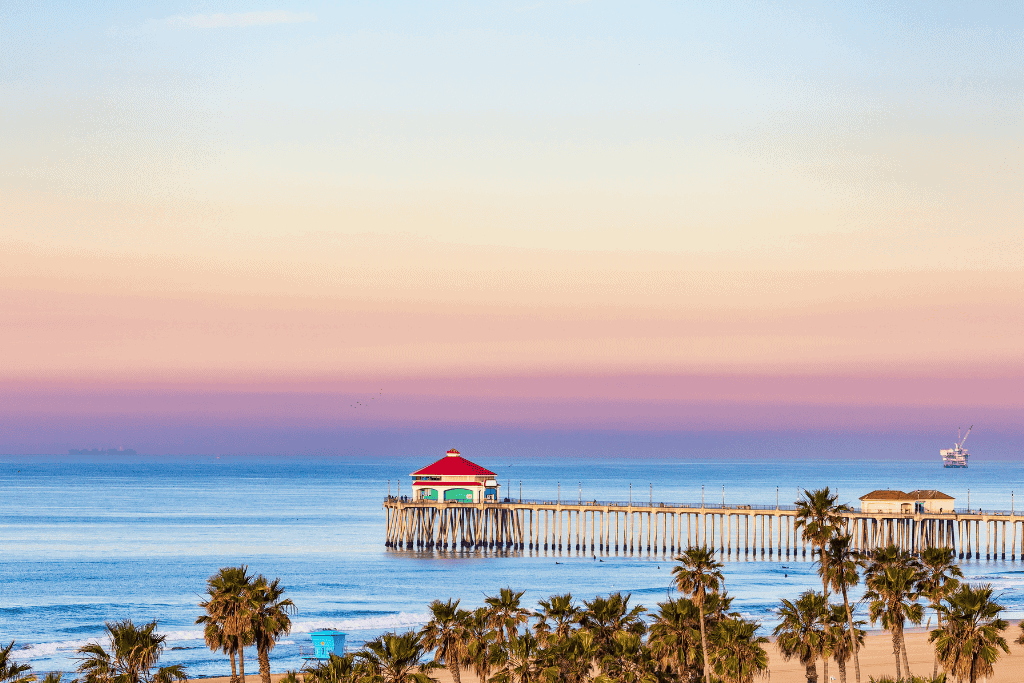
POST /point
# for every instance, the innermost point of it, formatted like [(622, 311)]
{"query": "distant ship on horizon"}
[(957, 455), (102, 451)]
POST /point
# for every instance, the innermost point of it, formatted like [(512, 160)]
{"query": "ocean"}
[(90, 539)]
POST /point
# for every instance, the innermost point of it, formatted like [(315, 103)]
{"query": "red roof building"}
[(454, 479)]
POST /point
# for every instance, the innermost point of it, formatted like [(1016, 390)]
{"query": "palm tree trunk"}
[(704, 644), (241, 662), (935, 657), (811, 671), (824, 668), (264, 657), (896, 652), (842, 671), (853, 638), (454, 668), (906, 663), (234, 669)]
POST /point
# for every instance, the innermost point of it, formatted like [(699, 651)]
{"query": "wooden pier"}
[(739, 531)]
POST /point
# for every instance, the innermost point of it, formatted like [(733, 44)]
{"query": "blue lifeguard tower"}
[(326, 643)]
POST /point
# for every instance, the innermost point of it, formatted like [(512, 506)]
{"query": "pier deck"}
[(609, 527)]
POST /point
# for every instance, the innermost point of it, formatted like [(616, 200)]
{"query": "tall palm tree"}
[(674, 635), (604, 617), (516, 660), (837, 566), (628, 661), (446, 634), (270, 619), (134, 651), (892, 595), (800, 632), (395, 658), (230, 607), (558, 617), (969, 641), (11, 671), (505, 613), (696, 575), (838, 636), (940, 577), (738, 651)]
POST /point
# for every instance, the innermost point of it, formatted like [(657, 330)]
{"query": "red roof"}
[(446, 483), (455, 465)]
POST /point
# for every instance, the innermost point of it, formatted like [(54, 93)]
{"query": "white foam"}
[(381, 623)]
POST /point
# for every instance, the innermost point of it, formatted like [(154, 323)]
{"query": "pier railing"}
[(507, 502)]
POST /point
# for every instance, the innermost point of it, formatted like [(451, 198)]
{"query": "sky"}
[(239, 227)]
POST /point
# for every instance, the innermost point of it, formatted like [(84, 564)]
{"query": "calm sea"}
[(87, 540)]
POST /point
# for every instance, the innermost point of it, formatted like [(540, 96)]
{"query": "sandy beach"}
[(876, 659)]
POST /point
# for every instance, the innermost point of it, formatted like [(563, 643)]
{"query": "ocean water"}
[(84, 540)]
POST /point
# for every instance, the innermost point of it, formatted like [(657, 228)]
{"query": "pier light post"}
[(702, 495), (776, 497), (968, 501), (630, 494), (650, 500), (559, 493), (389, 488), (723, 495), (581, 492), (520, 490)]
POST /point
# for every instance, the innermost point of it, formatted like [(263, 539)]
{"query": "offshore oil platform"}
[(957, 455)]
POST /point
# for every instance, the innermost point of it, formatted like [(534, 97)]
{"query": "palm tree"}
[(334, 669), (395, 658), (837, 566), (698, 574), (738, 651), (516, 660), (446, 634), (838, 636), (505, 613), (675, 636), (820, 517), (270, 619), (969, 640), (11, 671), (801, 631), (53, 677), (479, 643), (939, 579), (604, 617), (892, 594), (229, 607), (557, 618), (628, 661), (570, 659), (134, 651)]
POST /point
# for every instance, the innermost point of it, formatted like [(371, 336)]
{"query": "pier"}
[(735, 531)]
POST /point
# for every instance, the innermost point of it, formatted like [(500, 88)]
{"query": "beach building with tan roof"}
[(454, 478), (892, 501)]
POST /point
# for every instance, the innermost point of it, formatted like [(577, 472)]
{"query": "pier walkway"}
[(608, 527)]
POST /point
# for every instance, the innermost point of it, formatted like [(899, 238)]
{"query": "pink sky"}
[(654, 216)]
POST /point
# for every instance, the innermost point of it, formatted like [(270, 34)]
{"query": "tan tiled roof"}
[(930, 494), (885, 494)]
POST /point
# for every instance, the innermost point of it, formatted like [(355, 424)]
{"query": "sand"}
[(876, 659)]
